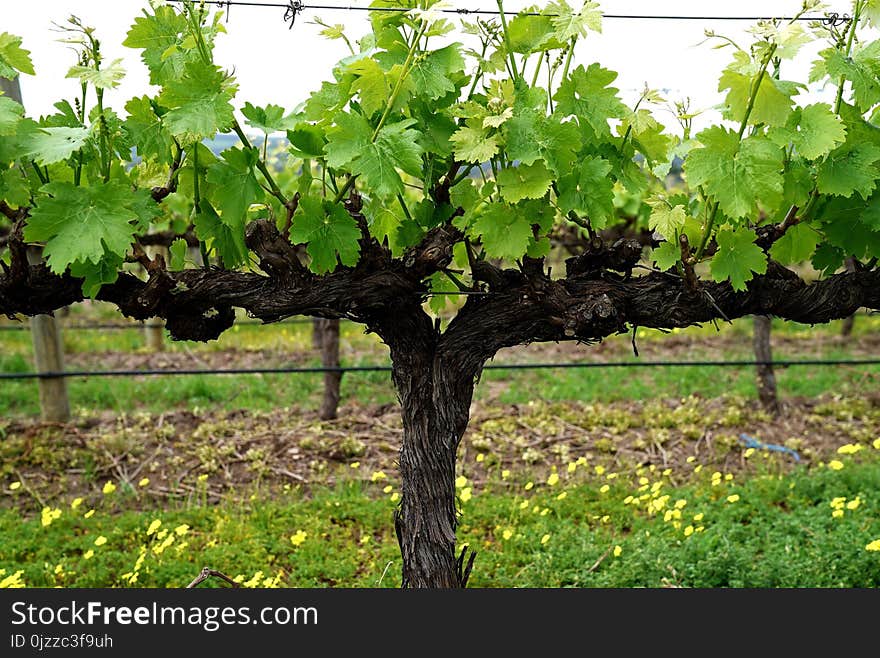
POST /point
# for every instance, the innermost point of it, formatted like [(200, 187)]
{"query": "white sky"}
[(276, 65)]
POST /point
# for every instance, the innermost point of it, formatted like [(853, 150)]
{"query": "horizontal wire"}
[(300, 6), (385, 368)]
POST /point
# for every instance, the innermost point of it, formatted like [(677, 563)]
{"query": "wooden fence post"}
[(49, 357), (766, 379), (325, 337), (45, 331)]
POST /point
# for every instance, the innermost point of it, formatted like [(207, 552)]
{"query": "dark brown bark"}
[(434, 387), (766, 379), (326, 332), (846, 327)]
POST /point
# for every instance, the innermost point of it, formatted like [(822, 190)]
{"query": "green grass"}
[(780, 532)]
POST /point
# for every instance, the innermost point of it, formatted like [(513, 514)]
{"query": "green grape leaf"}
[(870, 216), (848, 169), (107, 77), (225, 236), (396, 146), (14, 58), (371, 84), (841, 223), (814, 131), (432, 73), (10, 114), (737, 258), (307, 141), (666, 219), (589, 191), (146, 131), (13, 187), (95, 275), (160, 36), (234, 185), (268, 120), (524, 182), (531, 136), (859, 70), (828, 258), (666, 255), (200, 102), (49, 145), (347, 139), (586, 95), (530, 34), (739, 175), (178, 250), (329, 98), (568, 23), (329, 232), (80, 223), (503, 231), (474, 144), (772, 104), (796, 246)]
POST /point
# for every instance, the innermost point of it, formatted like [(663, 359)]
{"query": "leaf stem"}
[(838, 101), (407, 64), (503, 17)]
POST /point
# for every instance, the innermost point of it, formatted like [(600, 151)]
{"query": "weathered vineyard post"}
[(766, 379), (45, 331), (325, 337)]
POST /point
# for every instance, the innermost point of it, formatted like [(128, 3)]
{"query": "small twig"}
[(26, 487), (206, 573), (379, 582), (600, 560)]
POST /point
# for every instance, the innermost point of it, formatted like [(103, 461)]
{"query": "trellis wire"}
[(387, 368)]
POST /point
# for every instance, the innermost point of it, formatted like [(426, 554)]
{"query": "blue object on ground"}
[(752, 442)]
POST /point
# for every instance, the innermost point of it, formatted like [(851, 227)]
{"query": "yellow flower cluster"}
[(297, 539), (47, 515), (839, 505), (12, 581)]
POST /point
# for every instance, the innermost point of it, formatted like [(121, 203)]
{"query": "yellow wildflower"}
[(562, 495), (836, 514), (688, 531), (355, 464), (481, 457), (524, 504), (89, 554), (109, 488), (617, 551), (460, 482), (76, 502), (698, 468), (387, 488), (505, 474), (466, 494), (144, 482), (681, 502), (571, 467), (849, 449), (378, 475), (733, 498), (154, 526), (507, 534), (876, 444), (854, 503), (298, 538), (89, 514), (835, 465), (101, 540), (749, 452), (529, 486), (395, 497), (545, 539), (698, 517), (873, 546), (181, 530), (691, 459), (553, 479), (582, 461), (15, 485), (600, 470), (604, 488)]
